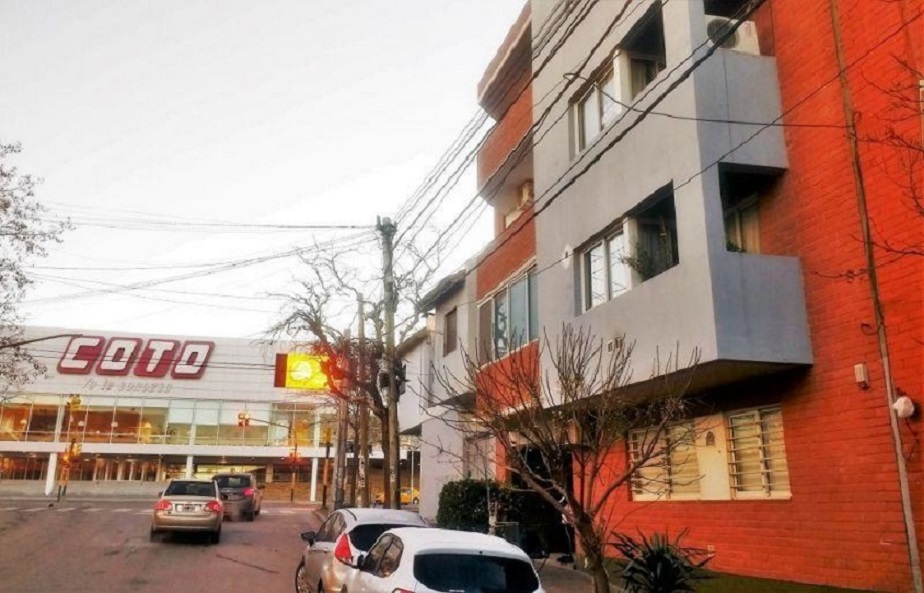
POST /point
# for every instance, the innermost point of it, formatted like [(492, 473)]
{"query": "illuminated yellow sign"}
[(304, 371)]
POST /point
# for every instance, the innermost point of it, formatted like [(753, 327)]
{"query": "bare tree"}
[(319, 312), (24, 233), (576, 417)]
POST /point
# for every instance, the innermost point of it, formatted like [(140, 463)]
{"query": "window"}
[(597, 108), (510, 318), (656, 247), (605, 272), (757, 458), (620, 80), (672, 470), (741, 230), (450, 332), (476, 571), (390, 559)]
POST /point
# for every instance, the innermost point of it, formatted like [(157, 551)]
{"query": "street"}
[(98, 546)]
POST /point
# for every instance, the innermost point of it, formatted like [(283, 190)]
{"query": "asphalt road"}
[(97, 546)]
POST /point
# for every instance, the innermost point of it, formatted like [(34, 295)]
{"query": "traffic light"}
[(243, 418), (76, 450), (400, 377)]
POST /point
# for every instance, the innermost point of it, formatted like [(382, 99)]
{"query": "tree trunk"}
[(386, 465), (592, 551)]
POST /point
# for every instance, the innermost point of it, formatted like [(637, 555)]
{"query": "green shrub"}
[(659, 565), (464, 504)]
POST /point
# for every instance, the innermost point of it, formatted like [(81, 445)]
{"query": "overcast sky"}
[(146, 115)]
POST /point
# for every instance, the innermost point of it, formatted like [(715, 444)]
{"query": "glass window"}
[(376, 553), (533, 305), (606, 274), (670, 466), (207, 422), (485, 331), (390, 559), (742, 233), (589, 118), (519, 313), (474, 572), (500, 324), (757, 457), (609, 107), (450, 331), (595, 271)]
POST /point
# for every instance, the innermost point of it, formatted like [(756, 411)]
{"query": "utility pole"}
[(363, 459), (342, 417), (387, 228)]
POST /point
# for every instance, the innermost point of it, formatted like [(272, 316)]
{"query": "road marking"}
[(285, 511), (35, 510), (92, 510), (122, 510), (67, 510), (145, 512), (10, 509)]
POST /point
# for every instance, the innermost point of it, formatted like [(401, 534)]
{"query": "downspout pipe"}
[(914, 557)]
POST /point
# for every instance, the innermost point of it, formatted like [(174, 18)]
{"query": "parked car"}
[(408, 496), (432, 560), (188, 505), (345, 535), (241, 494)]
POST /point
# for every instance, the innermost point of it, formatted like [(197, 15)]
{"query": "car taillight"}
[(163, 505), (342, 550), (248, 491), (402, 591), (214, 506)]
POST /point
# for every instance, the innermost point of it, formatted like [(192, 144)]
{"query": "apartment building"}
[(687, 179)]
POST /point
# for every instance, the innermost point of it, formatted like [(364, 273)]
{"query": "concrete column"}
[(131, 470), (52, 472), (314, 480), (95, 469), (120, 471), (269, 473), (189, 466)]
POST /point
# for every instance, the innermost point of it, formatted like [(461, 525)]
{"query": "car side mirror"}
[(160, 493), (261, 486), (360, 561), (309, 537)]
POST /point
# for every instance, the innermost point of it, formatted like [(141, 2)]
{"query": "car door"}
[(321, 552)]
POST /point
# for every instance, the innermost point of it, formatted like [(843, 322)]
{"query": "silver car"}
[(188, 505), (345, 535)]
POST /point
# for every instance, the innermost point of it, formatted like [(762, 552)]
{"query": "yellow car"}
[(408, 496)]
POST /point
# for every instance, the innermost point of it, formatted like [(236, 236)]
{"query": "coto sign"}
[(119, 356)]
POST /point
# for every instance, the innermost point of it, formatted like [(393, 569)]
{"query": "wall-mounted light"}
[(904, 407), (861, 375)]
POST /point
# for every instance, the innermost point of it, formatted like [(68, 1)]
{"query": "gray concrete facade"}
[(734, 307)]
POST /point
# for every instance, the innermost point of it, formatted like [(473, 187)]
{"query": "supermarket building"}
[(146, 408)]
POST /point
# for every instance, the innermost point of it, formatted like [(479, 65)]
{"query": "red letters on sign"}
[(119, 356)]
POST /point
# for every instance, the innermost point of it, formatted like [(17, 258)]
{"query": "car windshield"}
[(233, 481), (475, 573), (363, 536), (183, 488)]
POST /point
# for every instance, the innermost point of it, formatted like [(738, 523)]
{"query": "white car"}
[(436, 560), (345, 535)]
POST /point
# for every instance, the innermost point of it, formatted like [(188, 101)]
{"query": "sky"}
[(153, 124)]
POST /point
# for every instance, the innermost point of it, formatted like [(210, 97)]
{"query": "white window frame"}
[(609, 266), (527, 274), (763, 415)]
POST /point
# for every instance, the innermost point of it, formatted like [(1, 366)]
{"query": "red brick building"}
[(797, 259)]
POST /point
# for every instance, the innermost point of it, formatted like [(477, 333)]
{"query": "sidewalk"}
[(556, 578)]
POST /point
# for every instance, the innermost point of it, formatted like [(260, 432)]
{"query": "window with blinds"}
[(757, 457), (672, 469)]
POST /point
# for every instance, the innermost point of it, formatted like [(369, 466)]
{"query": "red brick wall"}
[(843, 525), (510, 250), (508, 132)]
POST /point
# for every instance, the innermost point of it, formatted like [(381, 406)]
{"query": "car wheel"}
[(250, 515), (215, 536), (155, 536), (416, 501), (301, 579)]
